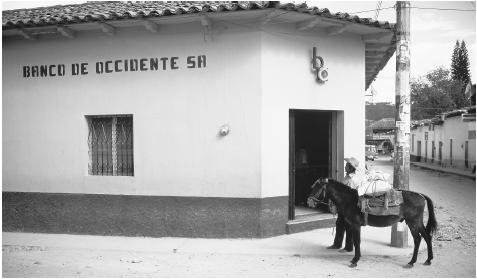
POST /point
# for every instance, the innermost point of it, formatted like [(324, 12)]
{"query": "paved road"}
[(297, 255)]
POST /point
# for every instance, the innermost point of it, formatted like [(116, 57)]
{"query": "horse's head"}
[(318, 190)]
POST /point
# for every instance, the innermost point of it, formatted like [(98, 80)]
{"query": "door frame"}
[(451, 142), (433, 151), (336, 158), (440, 152), (425, 158), (419, 151), (466, 155)]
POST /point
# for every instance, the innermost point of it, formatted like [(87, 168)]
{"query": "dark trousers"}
[(341, 227)]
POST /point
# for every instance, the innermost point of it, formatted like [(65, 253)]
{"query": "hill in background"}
[(377, 111)]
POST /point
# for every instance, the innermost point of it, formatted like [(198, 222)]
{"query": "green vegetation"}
[(379, 111), (434, 93), (460, 63)]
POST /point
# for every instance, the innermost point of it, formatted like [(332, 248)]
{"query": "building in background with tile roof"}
[(382, 135), (447, 140), (191, 119)]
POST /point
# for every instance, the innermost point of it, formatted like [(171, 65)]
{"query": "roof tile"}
[(117, 10), (112, 10)]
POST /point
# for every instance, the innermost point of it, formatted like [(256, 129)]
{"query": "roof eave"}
[(379, 37)]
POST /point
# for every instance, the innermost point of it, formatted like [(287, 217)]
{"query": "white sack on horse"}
[(377, 175), (376, 182)]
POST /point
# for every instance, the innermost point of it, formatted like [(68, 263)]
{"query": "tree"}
[(455, 60), (464, 74), (380, 110), (434, 93), (460, 72)]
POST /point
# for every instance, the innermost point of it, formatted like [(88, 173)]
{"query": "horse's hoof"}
[(333, 247), (427, 263), (409, 265), (345, 250), (353, 265)]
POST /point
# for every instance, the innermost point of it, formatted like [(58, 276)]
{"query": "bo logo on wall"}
[(114, 66), (318, 64)]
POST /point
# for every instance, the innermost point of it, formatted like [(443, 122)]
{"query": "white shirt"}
[(354, 180)]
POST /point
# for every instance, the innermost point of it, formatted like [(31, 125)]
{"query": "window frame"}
[(113, 137)]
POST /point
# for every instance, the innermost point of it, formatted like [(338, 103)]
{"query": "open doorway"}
[(316, 150)]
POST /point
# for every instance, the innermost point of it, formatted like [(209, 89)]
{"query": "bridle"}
[(316, 196), (323, 182)]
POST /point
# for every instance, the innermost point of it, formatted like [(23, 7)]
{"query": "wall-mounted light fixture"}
[(224, 130)]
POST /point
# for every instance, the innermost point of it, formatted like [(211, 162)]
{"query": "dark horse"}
[(412, 211)]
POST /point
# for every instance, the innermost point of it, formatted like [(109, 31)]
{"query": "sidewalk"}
[(464, 173), (377, 242), (296, 255)]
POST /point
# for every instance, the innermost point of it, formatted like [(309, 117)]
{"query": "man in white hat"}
[(353, 179)]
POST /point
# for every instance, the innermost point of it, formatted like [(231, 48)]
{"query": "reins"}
[(316, 199), (330, 204)]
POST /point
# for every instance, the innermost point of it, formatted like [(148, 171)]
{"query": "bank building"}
[(187, 119)]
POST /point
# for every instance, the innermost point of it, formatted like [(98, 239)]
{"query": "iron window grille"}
[(110, 142)]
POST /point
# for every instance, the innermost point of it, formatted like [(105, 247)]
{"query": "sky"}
[(433, 36), (434, 32)]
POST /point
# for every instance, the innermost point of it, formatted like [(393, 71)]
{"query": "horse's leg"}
[(340, 230), (349, 239), (428, 240), (417, 242), (356, 229)]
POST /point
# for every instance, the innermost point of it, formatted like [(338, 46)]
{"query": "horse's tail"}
[(431, 226)]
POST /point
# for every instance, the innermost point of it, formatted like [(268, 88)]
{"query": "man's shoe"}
[(333, 247), (344, 250)]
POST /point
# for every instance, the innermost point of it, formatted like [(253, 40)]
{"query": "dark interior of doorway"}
[(312, 140)]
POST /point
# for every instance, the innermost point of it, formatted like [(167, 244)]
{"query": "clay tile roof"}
[(116, 10), (422, 122), (457, 112), (112, 10), (385, 123)]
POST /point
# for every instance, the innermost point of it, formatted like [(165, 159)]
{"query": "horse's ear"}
[(314, 183)]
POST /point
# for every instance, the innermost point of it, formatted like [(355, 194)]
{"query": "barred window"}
[(110, 142)]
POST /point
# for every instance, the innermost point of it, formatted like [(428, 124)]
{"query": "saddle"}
[(381, 203)]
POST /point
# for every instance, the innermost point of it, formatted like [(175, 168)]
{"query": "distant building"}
[(381, 134), (447, 140)]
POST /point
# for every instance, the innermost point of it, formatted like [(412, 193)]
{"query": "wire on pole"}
[(378, 9)]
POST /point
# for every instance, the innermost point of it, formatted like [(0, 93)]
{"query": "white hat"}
[(352, 161)]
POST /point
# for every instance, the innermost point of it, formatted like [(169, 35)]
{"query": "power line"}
[(373, 10), (412, 7), (378, 7), (442, 9), (431, 108)]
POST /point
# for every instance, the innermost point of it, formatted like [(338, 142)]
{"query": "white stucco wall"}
[(251, 81), (289, 83), (177, 114), (457, 130), (452, 128)]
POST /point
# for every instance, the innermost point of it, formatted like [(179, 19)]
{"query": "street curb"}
[(470, 176)]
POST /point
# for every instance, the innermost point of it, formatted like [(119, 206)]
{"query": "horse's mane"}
[(342, 188)]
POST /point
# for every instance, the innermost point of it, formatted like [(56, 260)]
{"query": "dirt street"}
[(297, 255), (454, 200)]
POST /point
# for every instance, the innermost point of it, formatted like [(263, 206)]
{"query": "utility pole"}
[(403, 113)]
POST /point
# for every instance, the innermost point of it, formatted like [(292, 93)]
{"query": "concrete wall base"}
[(151, 216)]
